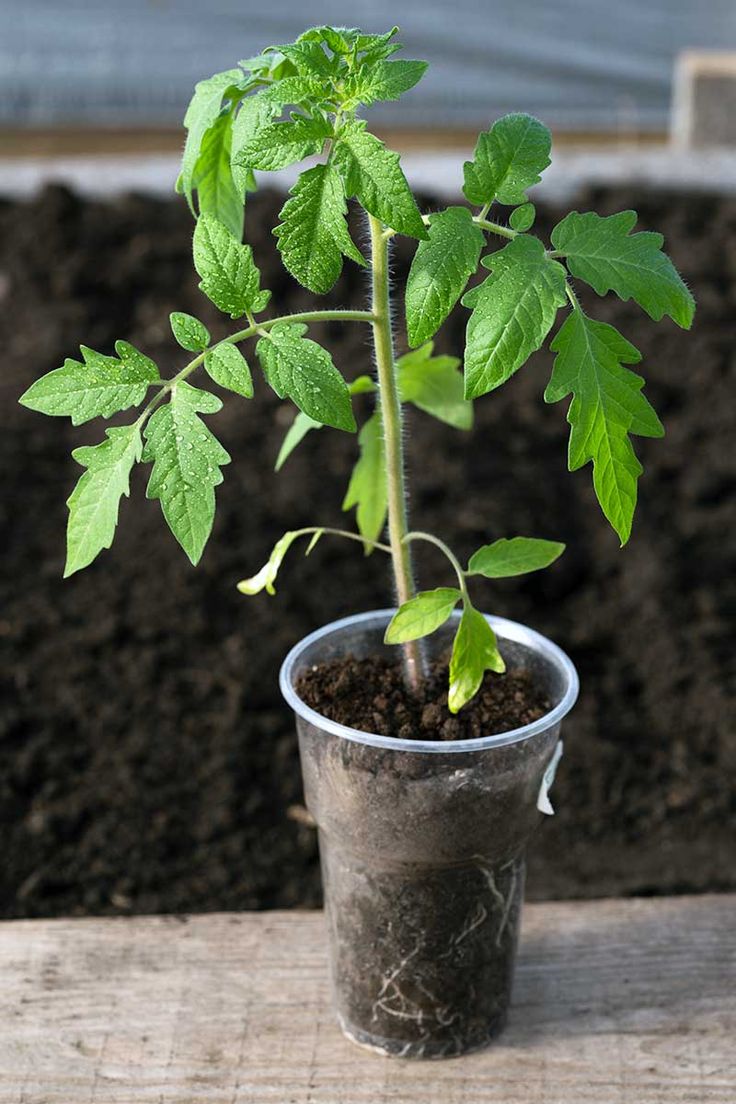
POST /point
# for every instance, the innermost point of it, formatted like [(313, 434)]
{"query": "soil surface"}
[(147, 763), (370, 694)]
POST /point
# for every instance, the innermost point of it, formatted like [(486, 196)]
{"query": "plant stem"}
[(390, 406), (418, 535)]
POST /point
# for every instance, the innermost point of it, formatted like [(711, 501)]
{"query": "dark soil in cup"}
[(147, 762), (371, 695)]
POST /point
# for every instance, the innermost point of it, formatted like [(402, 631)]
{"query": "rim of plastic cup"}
[(508, 630)]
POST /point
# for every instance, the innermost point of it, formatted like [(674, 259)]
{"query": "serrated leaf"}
[(383, 80), (513, 311), (422, 615), (604, 253), (228, 273), (303, 371), (508, 159), (440, 270), (434, 384), (257, 113), (607, 406), (514, 556), (523, 217), (191, 334), (313, 234), (367, 487), (276, 145), (374, 176), (309, 59), (227, 366), (95, 501), (303, 424), (265, 578), (201, 114), (217, 192), (474, 651), (95, 388), (187, 459)]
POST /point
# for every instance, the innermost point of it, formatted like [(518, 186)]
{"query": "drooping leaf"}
[(522, 218), (604, 253), (508, 159), (367, 487), (514, 556), (513, 311), (227, 366), (217, 193), (191, 334), (295, 434), (440, 270), (313, 233), (303, 424), (276, 145), (95, 501), (607, 406), (374, 176), (303, 371), (186, 465), (422, 614), (97, 387), (434, 384), (383, 80), (474, 651), (201, 114), (265, 578), (228, 273)]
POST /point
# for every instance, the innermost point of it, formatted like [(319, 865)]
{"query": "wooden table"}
[(616, 1001)]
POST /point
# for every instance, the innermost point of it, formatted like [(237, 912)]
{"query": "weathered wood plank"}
[(616, 1001)]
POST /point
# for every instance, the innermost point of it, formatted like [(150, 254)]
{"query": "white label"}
[(543, 802)]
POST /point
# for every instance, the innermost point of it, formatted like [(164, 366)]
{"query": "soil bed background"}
[(147, 763)]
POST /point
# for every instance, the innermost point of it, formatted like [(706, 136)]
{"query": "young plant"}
[(302, 100)]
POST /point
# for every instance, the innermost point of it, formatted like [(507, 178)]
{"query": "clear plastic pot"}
[(422, 849)]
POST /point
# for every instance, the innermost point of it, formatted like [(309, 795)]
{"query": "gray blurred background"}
[(583, 66)]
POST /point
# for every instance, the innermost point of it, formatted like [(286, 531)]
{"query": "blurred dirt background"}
[(147, 763)]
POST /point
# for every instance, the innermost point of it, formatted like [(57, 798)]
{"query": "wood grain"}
[(616, 1002)]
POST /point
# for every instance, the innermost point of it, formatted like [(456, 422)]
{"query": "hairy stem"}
[(418, 535), (390, 404), (251, 330)]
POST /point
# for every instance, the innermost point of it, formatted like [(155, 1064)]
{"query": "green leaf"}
[(383, 80), (276, 145), (434, 384), (296, 433), (255, 118), (604, 253), (422, 614), (522, 218), (191, 334), (440, 270), (607, 406), (201, 114), (313, 233), (95, 501), (228, 273), (227, 366), (303, 424), (186, 465), (367, 487), (217, 192), (474, 651), (373, 174), (302, 370), (514, 556), (309, 59), (508, 159), (513, 311), (97, 388), (265, 578)]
